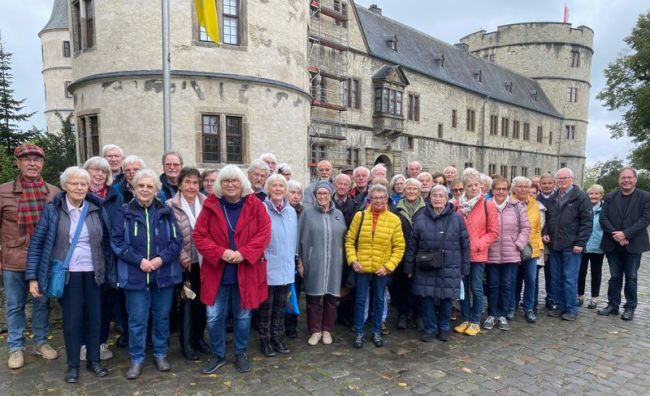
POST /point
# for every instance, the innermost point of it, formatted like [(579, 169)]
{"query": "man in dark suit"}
[(625, 217)]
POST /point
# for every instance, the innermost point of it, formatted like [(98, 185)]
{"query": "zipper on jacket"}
[(146, 216)]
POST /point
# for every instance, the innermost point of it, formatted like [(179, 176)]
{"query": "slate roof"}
[(59, 17), (418, 51)]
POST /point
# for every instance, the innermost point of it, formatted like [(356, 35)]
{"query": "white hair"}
[(413, 181), (360, 169), (395, 179), (132, 159), (471, 174), (73, 171), (378, 167), (111, 147), (294, 185), (232, 172), (564, 169), (521, 180), (258, 164), (101, 164), (486, 179), (144, 173), (273, 178)]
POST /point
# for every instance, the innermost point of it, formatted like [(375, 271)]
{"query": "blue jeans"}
[(529, 272), (228, 301), (473, 285), (16, 288), (138, 303), (433, 322), (501, 281), (565, 267), (363, 281), (623, 263)]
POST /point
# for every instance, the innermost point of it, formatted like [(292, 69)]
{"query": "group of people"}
[(229, 251)]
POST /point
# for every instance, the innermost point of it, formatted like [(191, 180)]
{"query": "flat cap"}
[(28, 149)]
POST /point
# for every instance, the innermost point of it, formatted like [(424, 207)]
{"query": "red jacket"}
[(252, 236), (483, 230)]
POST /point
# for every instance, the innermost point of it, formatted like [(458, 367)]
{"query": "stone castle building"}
[(326, 79)]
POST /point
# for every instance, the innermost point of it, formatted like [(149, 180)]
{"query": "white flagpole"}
[(167, 106)]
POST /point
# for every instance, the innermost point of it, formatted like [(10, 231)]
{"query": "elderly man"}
[(569, 227), (271, 161), (21, 203), (114, 155), (130, 166), (426, 179), (172, 165), (361, 177), (342, 200), (414, 169), (546, 189), (625, 217), (324, 169), (258, 172), (378, 170)]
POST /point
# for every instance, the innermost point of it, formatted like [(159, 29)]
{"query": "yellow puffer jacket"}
[(535, 219), (383, 248)]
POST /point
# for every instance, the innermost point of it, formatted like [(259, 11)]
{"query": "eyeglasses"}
[(173, 164), (233, 182), (382, 198), (129, 170), (77, 184), (564, 178), (31, 159), (458, 189)]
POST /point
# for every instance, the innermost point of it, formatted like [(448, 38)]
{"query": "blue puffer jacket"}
[(427, 236), (593, 244), (151, 232), (45, 244)]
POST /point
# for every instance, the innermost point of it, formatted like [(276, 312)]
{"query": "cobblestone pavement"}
[(594, 355)]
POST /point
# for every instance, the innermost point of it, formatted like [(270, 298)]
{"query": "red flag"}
[(566, 14)]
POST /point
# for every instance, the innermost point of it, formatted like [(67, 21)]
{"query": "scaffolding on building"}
[(327, 67)]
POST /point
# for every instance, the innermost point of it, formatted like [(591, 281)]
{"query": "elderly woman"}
[(457, 191), (101, 180), (281, 266), (187, 204), (231, 234), (426, 180), (437, 258), (439, 179), (482, 223), (294, 195), (147, 241), (320, 246), (527, 271), (208, 177), (504, 254), (593, 253), (72, 229), (374, 247), (397, 188), (400, 289), (285, 170)]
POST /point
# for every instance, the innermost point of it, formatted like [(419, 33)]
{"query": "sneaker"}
[(608, 310), (427, 337), (510, 315), (241, 363), (327, 338), (104, 352), (593, 303), (530, 317), (377, 340), (16, 359), (82, 353), (489, 323), (45, 351), (569, 316), (473, 329), (384, 329), (555, 313), (581, 300), (628, 314), (358, 341), (502, 323), (315, 337), (213, 364), (461, 327), (445, 335)]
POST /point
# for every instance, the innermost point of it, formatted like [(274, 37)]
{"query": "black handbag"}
[(527, 253), (433, 260)]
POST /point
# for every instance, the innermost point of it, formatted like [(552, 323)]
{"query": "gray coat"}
[(320, 246)]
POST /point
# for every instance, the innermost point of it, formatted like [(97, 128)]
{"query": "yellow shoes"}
[(461, 327), (473, 329)]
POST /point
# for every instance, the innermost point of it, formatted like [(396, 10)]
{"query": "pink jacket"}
[(482, 230), (511, 240)]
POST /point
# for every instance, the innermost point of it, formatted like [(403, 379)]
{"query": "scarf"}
[(502, 205), (31, 204), (409, 209), (192, 216), (101, 192), (467, 205)]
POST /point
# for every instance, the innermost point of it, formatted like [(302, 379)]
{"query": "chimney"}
[(462, 46), (374, 9)]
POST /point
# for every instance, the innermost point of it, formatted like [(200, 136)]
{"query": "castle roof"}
[(396, 43), (59, 17)]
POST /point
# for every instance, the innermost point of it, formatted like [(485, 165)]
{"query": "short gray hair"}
[(146, 172), (596, 188), (439, 187), (232, 172), (73, 171), (168, 153), (377, 187), (360, 169), (378, 166), (258, 164), (294, 185), (425, 174), (471, 174), (284, 167), (546, 176), (273, 178), (569, 171), (521, 180), (395, 179), (270, 156), (101, 164), (413, 181), (342, 176), (132, 159), (485, 178), (112, 147)]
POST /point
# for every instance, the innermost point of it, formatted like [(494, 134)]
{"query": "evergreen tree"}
[(11, 110)]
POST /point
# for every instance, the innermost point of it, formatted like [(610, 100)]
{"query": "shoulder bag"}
[(527, 253), (433, 260)]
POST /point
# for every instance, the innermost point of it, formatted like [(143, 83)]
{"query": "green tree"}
[(606, 174), (11, 110), (60, 150)]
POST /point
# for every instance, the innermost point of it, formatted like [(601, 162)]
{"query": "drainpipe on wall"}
[(482, 157)]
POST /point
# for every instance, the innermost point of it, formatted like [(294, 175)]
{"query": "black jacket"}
[(633, 222), (348, 208), (569, 224), (426, 235)]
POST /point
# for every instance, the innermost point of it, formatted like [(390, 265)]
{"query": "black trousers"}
[(596, 260), (271, 313), (81, 307), (193, 333)]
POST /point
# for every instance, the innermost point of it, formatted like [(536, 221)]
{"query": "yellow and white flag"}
[(206, 14)]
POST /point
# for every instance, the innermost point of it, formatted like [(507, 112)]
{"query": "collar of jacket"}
[(59, 202), (176, 199), (431, 212), (136, 212), (271, 206)]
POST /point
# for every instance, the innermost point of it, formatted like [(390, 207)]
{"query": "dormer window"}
[(439, 59), (478, 74), (508, 85), (392, 42), (533, 94)]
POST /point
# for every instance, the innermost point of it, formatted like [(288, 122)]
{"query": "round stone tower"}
[(558, 56), (231, 101), (56, 54)]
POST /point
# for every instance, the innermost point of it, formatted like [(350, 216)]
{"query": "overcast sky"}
[(611, 20)]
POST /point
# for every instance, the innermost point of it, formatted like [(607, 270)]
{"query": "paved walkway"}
[(594, 355)]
